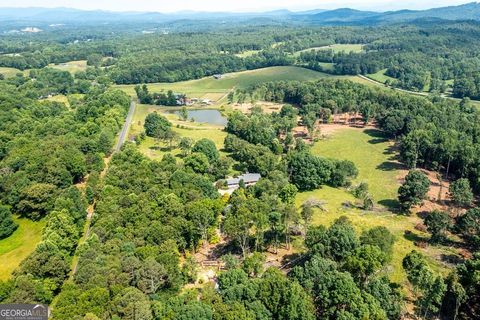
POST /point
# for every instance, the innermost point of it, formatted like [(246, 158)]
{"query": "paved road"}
[(425, 94), (126, 125), (90, 209)]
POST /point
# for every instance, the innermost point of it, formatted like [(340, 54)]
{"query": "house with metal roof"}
[(232, 184)]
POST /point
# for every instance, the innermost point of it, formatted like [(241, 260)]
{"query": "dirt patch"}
[(267, 107), (438, 196)]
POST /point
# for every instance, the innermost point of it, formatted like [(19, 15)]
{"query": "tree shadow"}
[(223, 249), (238, 167), (377, 140), (390, 166), (376, 133), (422, 214), (162, 149), (291, 260), (451, 259), (411, 236), (391, 204), (392, 149)]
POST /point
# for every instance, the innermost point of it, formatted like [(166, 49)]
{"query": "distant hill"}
[(342, 16), (469, 11)]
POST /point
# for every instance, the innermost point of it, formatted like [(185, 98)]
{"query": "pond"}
[(207, 116)]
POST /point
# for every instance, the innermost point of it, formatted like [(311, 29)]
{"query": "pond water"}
[(207, 116)]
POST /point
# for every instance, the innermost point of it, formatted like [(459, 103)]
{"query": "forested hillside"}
[(434, 56), (263, 169)]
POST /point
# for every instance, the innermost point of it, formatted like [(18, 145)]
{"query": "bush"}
[(7, 225)]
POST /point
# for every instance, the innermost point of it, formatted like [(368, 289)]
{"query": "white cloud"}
[(230, 5)]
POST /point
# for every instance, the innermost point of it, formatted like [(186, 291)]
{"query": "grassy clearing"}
[(194, 130), (380, 76), (19, 245), (60, 98), (327, 66), (336, 48), (374, 157), (247, 53), (9, 72), (71, 66), (216, 89)]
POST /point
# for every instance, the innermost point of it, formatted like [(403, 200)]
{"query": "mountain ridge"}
[(468, 11)]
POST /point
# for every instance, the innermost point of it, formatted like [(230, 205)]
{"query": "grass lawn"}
[(211, 88), (375, 160), (71, 66), (19, 245), (194, 130)]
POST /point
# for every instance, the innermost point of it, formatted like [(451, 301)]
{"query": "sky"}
[(231, 5)]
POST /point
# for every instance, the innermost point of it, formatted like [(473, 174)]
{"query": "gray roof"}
[(247, 178)]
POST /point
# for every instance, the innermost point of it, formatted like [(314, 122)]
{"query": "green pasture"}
[(19, 245), (71, 66), (375, 158), (210, 88)]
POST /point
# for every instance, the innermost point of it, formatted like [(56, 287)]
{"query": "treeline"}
[(145, 97), (421, 56), (41, 83), (437, 134)]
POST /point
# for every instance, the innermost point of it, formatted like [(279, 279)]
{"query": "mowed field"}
[(216, 90), (19, 245), (374, 157)]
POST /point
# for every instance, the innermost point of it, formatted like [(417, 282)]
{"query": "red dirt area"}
[(438, 196)]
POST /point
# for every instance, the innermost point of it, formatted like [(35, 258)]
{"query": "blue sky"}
[(230, 5)]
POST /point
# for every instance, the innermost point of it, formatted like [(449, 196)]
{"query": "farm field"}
[(373, 155), (216, 90), (19, 245)]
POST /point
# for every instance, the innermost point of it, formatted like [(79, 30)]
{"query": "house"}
[(249, 179), (232, 184), (217, 76), (206, 102)]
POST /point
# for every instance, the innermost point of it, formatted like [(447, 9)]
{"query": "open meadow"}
[(375, 158), (336, 48), (19, 245), (217, 90), (71, 66), (9, 72)]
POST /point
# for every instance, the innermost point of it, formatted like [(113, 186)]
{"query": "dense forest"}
[(135, 257), (410, 54)]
